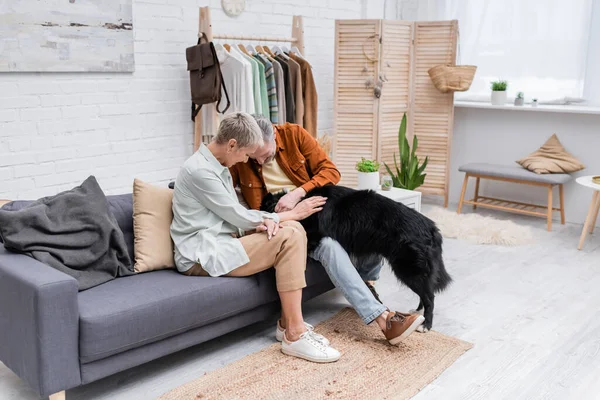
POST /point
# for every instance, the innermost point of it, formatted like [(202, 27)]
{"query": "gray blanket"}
[(73, 231)]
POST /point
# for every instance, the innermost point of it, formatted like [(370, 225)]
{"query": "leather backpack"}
[(206, 78)]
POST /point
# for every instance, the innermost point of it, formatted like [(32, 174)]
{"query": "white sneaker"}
[(309, 348), (279, 333)]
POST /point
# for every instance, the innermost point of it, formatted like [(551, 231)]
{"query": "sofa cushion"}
[(152, 217), (133, 311)]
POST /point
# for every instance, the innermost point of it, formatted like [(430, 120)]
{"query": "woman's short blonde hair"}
[(242, 127)]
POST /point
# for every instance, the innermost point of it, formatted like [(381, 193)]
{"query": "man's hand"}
[(269, 226), (289, 201)]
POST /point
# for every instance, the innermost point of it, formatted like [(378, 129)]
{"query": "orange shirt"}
[(300, 157)]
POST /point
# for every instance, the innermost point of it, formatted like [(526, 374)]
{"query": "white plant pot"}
[(368, 180), (498, 97)]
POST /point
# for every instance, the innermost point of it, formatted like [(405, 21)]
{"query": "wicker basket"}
[(452, 78)]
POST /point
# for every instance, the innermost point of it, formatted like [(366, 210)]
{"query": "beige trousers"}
[(286, 252)]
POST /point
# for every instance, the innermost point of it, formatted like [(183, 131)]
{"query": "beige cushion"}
[(551, 158), (152, 216)]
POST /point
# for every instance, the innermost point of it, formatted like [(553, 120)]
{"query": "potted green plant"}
[(368, 174), (499, 92), (409, 174), (520, 99)]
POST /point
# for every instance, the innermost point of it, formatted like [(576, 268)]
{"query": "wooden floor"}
[(532, 313)]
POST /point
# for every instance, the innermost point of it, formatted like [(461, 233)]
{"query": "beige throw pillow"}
[(152, 216), (551, 158)]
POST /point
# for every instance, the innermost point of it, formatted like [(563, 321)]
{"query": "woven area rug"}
[(369, 368), (480, 229)]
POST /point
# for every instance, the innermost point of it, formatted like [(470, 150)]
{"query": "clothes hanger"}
[(260, 49), (285, 56), (236, 50), (227, 47), (268, 51), (243, 49), (276, 50), (297, 52), (221, 52)]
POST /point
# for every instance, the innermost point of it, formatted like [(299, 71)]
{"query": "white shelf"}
[(572, 109)]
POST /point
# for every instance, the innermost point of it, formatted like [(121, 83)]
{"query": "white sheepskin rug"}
[(480, 229)]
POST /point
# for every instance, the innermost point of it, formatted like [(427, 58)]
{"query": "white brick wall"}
[(57, 129)]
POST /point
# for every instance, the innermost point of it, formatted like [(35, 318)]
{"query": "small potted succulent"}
[(520, 99), (499, 92), (534, 102), (368, 174)]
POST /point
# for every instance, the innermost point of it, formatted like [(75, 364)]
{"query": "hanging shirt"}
[(234, 79), (296, 85), (255, 80), (309, 95), (290, 106), (264, 96), (248, 90), (280, 86), (271, 88)]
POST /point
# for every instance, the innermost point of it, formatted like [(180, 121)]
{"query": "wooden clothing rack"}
[(205, 26)]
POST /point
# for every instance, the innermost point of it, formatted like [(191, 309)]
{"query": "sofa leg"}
[(58, 396)]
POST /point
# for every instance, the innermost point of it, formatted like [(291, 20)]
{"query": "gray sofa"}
[(56, 338)]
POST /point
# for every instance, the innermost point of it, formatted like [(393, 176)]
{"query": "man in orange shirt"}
[(291, 160)]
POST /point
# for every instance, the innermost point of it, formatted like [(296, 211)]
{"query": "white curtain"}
[(538, 46)]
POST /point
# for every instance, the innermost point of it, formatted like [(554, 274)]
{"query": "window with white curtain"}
[(538, 46)]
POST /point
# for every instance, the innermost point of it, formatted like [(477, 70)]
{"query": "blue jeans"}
[(350, 278)]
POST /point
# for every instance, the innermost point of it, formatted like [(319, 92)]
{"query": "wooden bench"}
[(515, 174)]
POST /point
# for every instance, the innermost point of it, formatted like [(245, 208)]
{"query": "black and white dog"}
[(367, 224)]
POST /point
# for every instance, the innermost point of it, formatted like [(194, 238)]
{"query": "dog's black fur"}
[(367, 224)]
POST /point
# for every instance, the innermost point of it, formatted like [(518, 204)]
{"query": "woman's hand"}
[(308, 207), (269, 226)]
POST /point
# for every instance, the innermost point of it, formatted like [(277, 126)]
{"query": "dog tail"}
[(441, 277)]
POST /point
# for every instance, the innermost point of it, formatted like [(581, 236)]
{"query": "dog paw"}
[(422, 329)]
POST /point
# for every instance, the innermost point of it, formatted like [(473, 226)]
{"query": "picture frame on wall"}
[(66, 36)]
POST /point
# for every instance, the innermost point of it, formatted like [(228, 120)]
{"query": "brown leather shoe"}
[(399, 326)]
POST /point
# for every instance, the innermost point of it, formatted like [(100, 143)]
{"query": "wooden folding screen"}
[(395, 97), (356, 114), (399, 53)]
